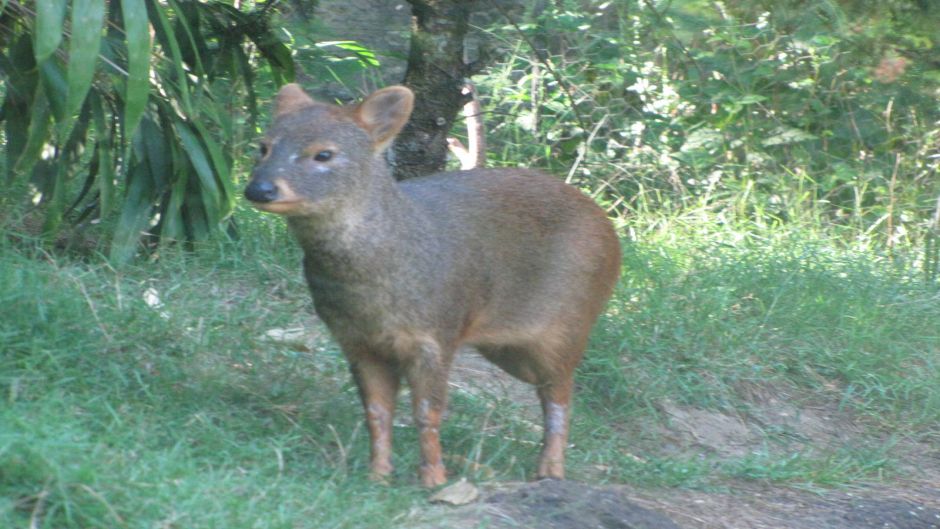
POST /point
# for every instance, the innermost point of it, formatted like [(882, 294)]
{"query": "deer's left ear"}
[(384, 113)]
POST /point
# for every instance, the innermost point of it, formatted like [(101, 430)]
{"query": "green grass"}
[(725, 319), (116, 413)]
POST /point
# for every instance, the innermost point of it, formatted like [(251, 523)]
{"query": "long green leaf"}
[(57, 89), (50, 18), (159, 146), (55, 206), (164, 31), (209, 189), (84, 46), (19, 65), (105, 158), (137, 88), (173, 223), (38, 134), (16, 121), (135, 215), (191, 47), (222, 168)]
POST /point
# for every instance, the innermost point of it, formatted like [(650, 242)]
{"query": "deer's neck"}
[(364, 236)]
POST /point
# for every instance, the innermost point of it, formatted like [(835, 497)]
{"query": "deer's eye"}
[(323, 156), (263, 150)]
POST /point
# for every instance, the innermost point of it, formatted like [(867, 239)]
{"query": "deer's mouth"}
[(281, 207), (273, 196)]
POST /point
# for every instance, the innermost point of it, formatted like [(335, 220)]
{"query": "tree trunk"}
[(436, 72)]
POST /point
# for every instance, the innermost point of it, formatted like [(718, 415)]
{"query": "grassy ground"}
[(117, 412)]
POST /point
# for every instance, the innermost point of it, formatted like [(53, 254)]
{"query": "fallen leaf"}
[(460, 493), (295, 337)]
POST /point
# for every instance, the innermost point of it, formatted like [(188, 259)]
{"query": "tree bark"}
[(436, 72)]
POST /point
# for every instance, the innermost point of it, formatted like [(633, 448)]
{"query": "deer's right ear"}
[(384, 113), (291, 98)]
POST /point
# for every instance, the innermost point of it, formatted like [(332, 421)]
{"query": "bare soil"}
[(909, 503), (571, 505)]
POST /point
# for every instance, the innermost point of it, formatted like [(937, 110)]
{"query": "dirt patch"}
[(728, 434), (474, 375), (771, 413), (570, 505), (551, 505)]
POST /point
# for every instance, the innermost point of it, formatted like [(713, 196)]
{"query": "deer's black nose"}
[(261, 191)]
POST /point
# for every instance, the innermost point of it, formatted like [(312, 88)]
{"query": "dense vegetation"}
[(774, 112), (773, 167)]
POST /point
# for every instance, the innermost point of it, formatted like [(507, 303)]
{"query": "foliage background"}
[(776, 112), (770, 111), (130, 112)]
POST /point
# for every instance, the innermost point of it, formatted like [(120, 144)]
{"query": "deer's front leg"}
[(378, 383)]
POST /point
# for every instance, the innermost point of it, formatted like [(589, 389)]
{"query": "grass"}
[(120, 413)]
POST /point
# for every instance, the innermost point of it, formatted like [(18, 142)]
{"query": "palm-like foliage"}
[(112, 111)]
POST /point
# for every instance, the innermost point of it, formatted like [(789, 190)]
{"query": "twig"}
[(891, 200), (584, 148), (36, 515), (97, 495), (94, 312)]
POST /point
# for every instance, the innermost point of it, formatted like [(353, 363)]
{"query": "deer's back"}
[(535, 249)]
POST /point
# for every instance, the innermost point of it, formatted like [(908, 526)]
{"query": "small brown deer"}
[(510, 261)]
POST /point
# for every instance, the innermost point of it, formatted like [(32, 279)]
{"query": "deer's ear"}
[(384, 113), (291, 98)]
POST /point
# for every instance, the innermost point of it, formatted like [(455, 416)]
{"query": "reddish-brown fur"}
[(510, 261)]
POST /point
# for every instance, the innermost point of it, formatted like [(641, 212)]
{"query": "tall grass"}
[(120, 413)]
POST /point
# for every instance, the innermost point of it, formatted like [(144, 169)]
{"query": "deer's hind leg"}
[(548, 365), (556, 411)]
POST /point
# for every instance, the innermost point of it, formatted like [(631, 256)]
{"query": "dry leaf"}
[(460, 493), (295, 337)]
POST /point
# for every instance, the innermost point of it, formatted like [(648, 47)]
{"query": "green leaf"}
[(221, 166), (135, 215), (37, 135), (137, 87), (154, 141), (50, 19), (173, 222), (55, 206), (784, 135), (277, 54), (105, 158), (209, 190), (749, 99), (188, 20), (21, 81), (251, 98), (365, 56), (164, 31), (84, 46), (57, 89)]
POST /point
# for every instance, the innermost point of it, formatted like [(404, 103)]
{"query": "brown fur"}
[(510, 261)]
